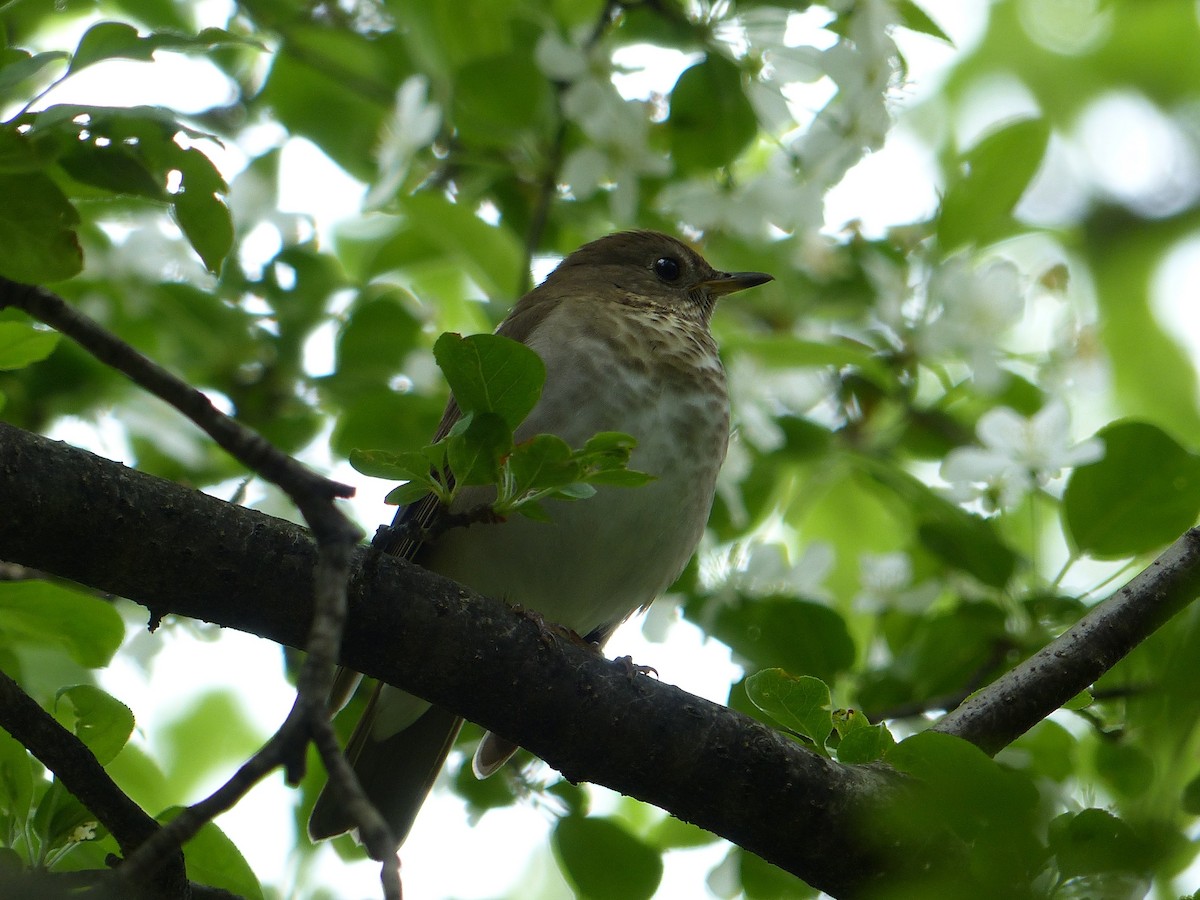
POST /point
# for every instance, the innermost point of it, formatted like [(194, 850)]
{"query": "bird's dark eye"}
[(666, 268)]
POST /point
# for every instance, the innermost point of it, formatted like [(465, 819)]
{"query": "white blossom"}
[(972, 308), (1016, 455), (412, 126), (886, 583), (617, 154), (762, 569), (760, 394)]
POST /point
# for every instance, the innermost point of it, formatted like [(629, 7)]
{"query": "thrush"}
[(622, 325)]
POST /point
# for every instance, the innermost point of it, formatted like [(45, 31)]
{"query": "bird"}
[(622, 325)]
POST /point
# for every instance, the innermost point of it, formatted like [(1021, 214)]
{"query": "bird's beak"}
[(730, 282)]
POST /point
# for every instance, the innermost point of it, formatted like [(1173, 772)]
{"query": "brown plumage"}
[(622, 325)]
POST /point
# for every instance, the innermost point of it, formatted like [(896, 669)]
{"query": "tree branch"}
[(73, 764), (336, 535), (1012, 704), (178, 551)]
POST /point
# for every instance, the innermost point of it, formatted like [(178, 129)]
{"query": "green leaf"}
[(671, 833), (962, 787), (990, 180), (491, 374), (22, 345), (118, 40), (711, 119), (787, 352), (476, 451), (18, 66), (16, 778), (377, 335), (969, 543), (213, 859), (396, 466), (794, 635), (800, 704), (1096, 841), (916, 19), (1082, 700), (501, 100), (37, 230), (864, 745), (763, 881), (205, 221), (20, 153), (109, 40), (35, 612), (102, 722), (62, 819), (1190, 802), (960, 539), (603, 860), (404, 494), (543, 461), (574, 491), (1144, 493), (1126, 768), (116, 168)]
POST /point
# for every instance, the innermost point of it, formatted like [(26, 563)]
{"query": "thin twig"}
[(73, 764), (336, 538), (1016, 701)]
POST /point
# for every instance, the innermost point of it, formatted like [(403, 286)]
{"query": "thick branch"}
[(177, 551), (174, 550)]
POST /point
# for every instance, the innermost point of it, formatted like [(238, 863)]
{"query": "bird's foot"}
[(632, 669), (547, 628)]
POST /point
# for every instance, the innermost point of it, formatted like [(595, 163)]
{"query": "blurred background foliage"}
[(912, 501)]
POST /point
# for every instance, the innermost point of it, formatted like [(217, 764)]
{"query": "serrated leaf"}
[(37, 230), (22, 345), (385, 464), (407, 493), (801, 704), (475, 452), (543, 461), (1141, 495), (991, 179), (102, 721), (491, 374)]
